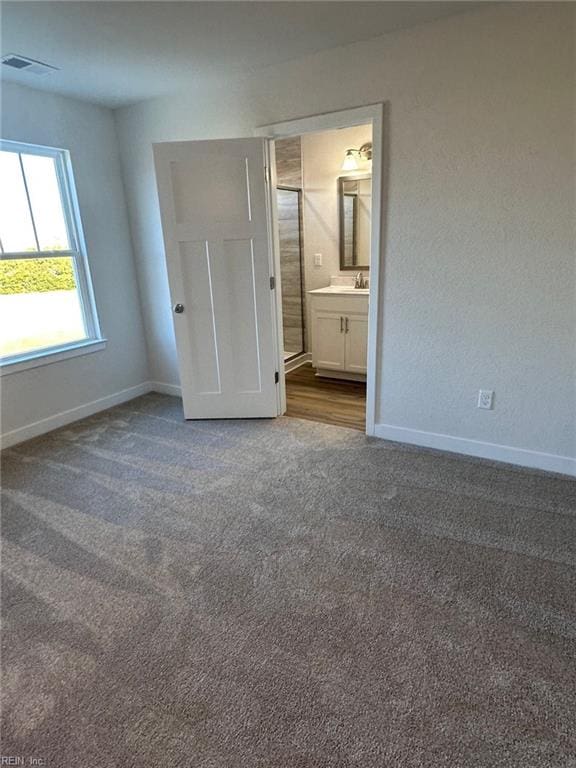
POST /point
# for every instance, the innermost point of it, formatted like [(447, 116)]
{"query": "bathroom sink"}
[(347, 290)]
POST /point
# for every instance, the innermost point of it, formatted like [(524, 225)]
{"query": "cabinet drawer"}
[(341, 304)]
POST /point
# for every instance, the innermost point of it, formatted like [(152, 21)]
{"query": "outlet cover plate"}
[(486, 399)]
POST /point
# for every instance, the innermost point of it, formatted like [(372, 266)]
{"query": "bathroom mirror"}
[(354, 205)]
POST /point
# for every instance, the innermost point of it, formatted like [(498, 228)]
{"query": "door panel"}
[(328, 339), (214, 210), (201, 337), (356, 343), (199, 182), (235, 314)]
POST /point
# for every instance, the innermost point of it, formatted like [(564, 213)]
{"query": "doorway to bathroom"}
[(323, 196), (224, 271)]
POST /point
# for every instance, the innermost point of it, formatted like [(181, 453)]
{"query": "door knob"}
[(178, 308)]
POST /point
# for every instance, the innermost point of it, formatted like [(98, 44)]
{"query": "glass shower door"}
[(289, 201)]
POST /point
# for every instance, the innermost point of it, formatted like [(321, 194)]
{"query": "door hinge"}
[(266, 177), (272, 283), (276, 377)]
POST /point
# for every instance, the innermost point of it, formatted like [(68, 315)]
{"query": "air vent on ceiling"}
[(27, 65)]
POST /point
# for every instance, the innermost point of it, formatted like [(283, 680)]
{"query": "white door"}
[(328, 335), (356, 328), (214, 211)]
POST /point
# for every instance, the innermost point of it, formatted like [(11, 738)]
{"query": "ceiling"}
[(117, 53)]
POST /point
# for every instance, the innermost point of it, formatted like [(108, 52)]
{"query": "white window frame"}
[(94, 340)]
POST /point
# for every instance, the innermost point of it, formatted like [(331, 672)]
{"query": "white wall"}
[(479, 267), (89, 133), (322, 157)]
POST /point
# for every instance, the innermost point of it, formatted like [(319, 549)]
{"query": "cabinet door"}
[(356, 343), (328, 340)]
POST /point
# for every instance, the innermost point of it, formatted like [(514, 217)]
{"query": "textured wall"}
[(478, 260), (88, 132)]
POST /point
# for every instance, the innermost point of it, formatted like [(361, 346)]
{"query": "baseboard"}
[(549, 462), (73, 414), (297, 362), (535, 460), (325, 373), (166, 389)]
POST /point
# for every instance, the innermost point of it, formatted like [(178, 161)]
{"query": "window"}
[(46, 301)]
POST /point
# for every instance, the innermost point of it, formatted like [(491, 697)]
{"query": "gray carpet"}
[(282, 594)]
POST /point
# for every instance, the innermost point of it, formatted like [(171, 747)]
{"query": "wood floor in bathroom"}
[(331, 401)]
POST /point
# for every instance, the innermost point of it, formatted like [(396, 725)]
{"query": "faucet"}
[(360, 282)]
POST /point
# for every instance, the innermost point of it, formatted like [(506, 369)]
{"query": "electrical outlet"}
[(317, 259), (486, 399)]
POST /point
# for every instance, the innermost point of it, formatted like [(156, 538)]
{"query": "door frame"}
[(330, 121)]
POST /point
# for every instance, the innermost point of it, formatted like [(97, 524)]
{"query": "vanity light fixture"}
[(352, 157)]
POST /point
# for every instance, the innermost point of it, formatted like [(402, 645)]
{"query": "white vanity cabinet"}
[(339, 332)]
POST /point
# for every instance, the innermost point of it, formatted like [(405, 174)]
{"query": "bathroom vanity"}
[(339, 331)]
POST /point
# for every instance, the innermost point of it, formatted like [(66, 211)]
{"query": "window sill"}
[(46, 357)]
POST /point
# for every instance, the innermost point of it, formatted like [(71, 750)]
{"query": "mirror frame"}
[(341, 180)]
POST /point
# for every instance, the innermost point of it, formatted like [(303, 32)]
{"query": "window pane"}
[(39, 305), (16, 231), (46, 203)]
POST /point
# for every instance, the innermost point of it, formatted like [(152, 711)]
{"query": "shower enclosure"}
[(289, 201)]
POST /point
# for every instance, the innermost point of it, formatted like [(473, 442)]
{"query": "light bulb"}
[(350, 163)]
